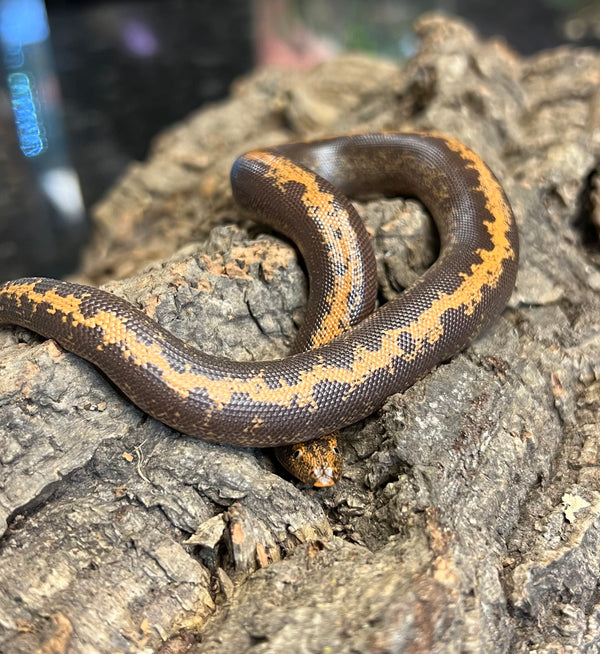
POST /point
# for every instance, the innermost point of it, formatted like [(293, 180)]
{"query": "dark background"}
[(129, 68)]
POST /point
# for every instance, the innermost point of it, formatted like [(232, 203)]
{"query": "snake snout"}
[(317, 462), (323, 477)]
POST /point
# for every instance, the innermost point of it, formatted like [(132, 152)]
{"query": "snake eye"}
[(336, 450), (296, 454)]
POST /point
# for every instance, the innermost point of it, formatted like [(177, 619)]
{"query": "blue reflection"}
[(24, 25), (29, 129), (35, 99), (14, 56), (23, 22)]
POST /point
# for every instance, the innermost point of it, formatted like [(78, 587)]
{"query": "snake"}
[(348, 358)]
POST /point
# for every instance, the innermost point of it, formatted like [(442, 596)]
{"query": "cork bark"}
[(468, 517)]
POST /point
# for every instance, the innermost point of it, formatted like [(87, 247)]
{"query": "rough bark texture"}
[(468, 518)]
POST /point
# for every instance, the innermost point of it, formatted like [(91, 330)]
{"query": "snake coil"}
[(348, 360)]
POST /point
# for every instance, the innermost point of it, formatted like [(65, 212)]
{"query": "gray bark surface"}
[(468, 517)]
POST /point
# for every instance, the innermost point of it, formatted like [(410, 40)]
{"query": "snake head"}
[(317, 462)]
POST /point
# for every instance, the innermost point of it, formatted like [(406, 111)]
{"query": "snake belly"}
[(337, 382)]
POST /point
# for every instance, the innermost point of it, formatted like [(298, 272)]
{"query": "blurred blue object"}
[(23, 22), (45, 222), (30, 129)]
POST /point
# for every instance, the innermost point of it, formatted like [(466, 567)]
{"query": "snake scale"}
[(348, 358)]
